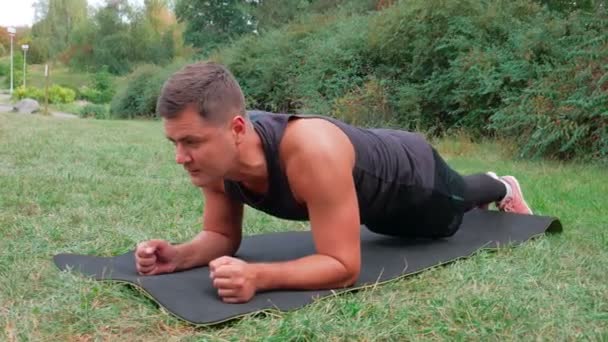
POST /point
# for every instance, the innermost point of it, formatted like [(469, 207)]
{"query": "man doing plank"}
[(302, 167)]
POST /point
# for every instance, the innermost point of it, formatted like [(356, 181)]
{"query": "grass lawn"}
[(99, 187)]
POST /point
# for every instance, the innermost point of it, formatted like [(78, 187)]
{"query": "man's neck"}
[(252, 170)]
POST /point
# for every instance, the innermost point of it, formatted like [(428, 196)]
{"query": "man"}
[(302, 168)]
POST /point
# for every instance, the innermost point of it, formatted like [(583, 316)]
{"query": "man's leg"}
[(482, 189)]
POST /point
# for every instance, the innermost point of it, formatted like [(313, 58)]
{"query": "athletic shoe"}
[(514, 201)]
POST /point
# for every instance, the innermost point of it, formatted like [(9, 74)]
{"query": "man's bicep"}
[(221, 214), (330, 197)]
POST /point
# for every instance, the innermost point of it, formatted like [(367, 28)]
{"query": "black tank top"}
[(393, 170)]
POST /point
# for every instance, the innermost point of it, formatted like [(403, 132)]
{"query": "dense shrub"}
[(455, 63), (364, 106), (478, 65), (101, 88), (96, 111), (138, 98), (564, 112), (303, 67), (17, 71), (57, 94), (28, 92), (515, 69)]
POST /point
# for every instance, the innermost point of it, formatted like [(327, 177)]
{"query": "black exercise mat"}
[(190, 295)]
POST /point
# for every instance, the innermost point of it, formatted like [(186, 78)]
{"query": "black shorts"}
[(438, 215)]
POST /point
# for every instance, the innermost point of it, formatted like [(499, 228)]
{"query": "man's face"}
[(206, 150)]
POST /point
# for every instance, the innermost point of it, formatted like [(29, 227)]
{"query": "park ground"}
[(101, 186)]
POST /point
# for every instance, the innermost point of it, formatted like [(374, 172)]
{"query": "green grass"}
[(99, 187)]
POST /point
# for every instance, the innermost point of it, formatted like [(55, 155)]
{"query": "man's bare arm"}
[(320, 174), (221, 234)]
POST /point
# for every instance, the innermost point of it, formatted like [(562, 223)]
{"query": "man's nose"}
[(181, 157)]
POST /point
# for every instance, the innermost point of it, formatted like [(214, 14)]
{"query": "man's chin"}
[(199, 181)]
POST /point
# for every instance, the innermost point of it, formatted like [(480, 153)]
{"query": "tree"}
[(56, 20), (210, 23)]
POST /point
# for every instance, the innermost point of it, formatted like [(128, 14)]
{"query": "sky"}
[(21, 12)]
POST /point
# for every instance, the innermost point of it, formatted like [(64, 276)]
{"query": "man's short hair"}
[(209, 87)]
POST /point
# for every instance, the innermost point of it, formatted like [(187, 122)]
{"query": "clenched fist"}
[(233, 278), (155, 257)]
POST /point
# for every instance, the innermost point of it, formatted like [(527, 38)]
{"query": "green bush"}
[(516, 69), (90, 94), (96, 111), (17, 71), (454, 62), (129, 102), (138, 98), (564, 112), (100, 89), (22, 92), (57, 94), (303, 67), (440, 66), (365, 106)]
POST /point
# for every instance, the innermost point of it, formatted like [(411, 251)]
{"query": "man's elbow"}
[(351, 276), (234, 245)]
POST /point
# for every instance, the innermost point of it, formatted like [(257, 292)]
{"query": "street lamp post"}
[(24, 47), (11, 33)]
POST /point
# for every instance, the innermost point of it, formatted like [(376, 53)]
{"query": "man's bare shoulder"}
[(315, 153), (315, 139)]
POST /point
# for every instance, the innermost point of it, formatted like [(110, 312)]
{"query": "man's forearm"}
[(308, 273), (206, 246)]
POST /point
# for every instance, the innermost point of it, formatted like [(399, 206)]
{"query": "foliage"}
[(96, 111), (115, 51), (57, 94), (118, 34), (313, 62), (100, 89), (210, 23), (492, 68), (57, 21), (22, 92), (5, 68), (271, 14), (17, 71), (365, 106), (563, 113), (439, 66), (138, 97)]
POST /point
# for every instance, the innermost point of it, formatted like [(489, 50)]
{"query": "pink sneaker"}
[(514, 200)]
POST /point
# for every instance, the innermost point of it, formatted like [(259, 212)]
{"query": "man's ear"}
[(238, 126)]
